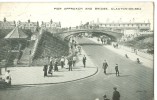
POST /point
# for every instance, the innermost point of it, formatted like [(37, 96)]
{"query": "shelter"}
[(17, 38)]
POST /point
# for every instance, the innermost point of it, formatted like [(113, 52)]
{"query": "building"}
[(7, 24), (51, 26), (127, 28), (33, 26)]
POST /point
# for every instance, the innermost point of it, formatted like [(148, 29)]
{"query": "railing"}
[(36, 44)]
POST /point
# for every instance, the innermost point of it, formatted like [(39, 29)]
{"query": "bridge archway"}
[(111, 34)]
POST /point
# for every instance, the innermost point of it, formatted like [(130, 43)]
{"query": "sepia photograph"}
[(77, 51)]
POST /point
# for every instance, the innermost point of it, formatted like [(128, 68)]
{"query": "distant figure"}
[(116, 94), (75, 44), (116, 69), (70, 64), (50, 68), (117, 45), (66, 63), (84, 61), (62, 61), (8, 78), (138, 60), (105, 97), (45, 70), (105, 65), (79, 49), (98, 40), (102, 40), (126, 56), (55, 65), (74, 61)]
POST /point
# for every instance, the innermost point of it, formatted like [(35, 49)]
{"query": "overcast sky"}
[(46, 12)]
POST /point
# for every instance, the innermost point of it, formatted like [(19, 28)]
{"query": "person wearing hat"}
[(116, 94), (84, 61), (105, 65), (45, 70), (70, 64), (62, 61), (116, 69), (105, 97)]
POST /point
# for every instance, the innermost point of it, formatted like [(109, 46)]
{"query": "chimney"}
[(29, 21), (51, 21), (15, 22), (5, 19), (37, 23)]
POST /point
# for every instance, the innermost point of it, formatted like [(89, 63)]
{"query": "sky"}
[(140, 11)]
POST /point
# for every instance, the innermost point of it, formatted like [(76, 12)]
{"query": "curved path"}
[(135, 81)]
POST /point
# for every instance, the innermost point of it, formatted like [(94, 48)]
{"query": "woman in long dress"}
[(56, 65), (50, 68), (66, 63)]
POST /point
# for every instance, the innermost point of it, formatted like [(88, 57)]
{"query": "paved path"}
[(132, 56), (135, 81), (34, 75)]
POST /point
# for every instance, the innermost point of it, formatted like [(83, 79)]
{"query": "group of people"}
[(64, 63), (7, 79), (105, 65)]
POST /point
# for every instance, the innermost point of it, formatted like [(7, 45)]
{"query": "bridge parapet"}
[(113, 34)]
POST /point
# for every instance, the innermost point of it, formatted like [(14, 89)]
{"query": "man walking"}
[(116, 69), (105, 65), (70, 64), (84, 61), (116, 94)]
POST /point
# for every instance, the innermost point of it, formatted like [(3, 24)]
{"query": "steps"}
[(25, 59)]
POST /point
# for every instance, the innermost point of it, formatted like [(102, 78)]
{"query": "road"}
[(134, 83)]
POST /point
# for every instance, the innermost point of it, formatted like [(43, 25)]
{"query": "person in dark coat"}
[(50, 68), (116, 69), (84, 61), (116, 94), (70, 64), (105, 65), (56, 65), (45, 70)]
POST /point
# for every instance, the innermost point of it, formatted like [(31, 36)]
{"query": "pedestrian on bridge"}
[(84, 61), (117, 70), (105, 65)]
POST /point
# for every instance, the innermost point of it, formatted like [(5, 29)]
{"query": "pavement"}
[(34, 75), (132, 56), (134, 83)]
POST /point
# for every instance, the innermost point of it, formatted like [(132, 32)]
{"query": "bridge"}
[(112, 34)]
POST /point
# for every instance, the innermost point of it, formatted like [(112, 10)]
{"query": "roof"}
[(16, 33)]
